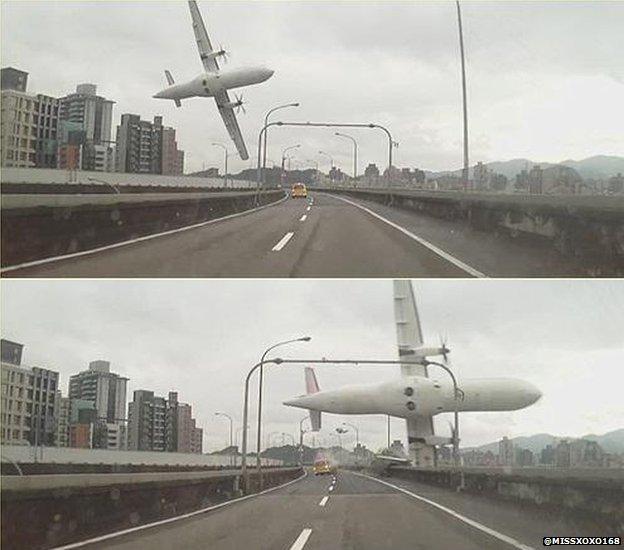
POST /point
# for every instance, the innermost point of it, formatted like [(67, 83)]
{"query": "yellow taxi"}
[(299, 191)]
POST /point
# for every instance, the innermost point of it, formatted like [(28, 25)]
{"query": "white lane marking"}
[(445, 255), (331, 488), (308, 208), (132, 241), (500, 536), (323, 501), (303, 218), (176, 518), (283, 241), (301, 539)]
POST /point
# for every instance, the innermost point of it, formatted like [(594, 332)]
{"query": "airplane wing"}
[(229, 118), (201, 37), (206, 53), (409, 331)]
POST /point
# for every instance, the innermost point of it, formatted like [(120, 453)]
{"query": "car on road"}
[(299, 190), (322, 467)]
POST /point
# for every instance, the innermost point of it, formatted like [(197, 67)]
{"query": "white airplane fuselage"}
[(209, 84), (409, 397)]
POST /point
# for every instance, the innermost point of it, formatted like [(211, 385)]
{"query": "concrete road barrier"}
[(45, 511), (595, 494), (587, 226), (37, 226)]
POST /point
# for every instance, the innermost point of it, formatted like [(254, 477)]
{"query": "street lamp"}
[(324, 361), (266, 121), (457, 393), (260, 388), (284, 151), (331, 159), (226, 160), (465, 171), (355, 152), (231, 429), (357, 432), (301, 432), (239, 430), (370, 125)]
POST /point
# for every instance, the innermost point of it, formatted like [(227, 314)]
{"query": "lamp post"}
[(240, 430), (357, 432), (284, 151), (465, 171), (231, 429), (324, 361), (370, 125), (260, 387), (301, 432), (355, 152), (266, 121), (456, 393), (226, 161)]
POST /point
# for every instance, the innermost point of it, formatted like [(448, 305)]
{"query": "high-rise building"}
[(106, 391), (147, 422), (506, 456), (62, 420), (93, 115), (159, 424), (29, 404), (147, 147), (29, 126), (197, 436), (172, 157), (13, 79), (11, 352)]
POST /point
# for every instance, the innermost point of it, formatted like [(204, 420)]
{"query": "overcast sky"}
[(201, 337), (545, 79)]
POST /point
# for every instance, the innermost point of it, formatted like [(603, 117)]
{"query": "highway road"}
[(353, 512), (322, 236)]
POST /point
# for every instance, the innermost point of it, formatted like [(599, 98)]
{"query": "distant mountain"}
[(611, 442), (598, 167)]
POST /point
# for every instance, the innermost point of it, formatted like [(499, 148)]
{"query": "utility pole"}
[(465, 171)]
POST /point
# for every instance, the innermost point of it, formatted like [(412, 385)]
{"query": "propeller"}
[(223, 53), (444, 349), (240, 104)]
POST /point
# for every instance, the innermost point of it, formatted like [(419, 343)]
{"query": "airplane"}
[(215, 82), (417, 395)]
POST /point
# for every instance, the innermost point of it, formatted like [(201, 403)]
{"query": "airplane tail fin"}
[(313, 387), (171, 82)]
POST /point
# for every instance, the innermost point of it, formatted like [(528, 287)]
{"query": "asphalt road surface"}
[(323, 236), (356, 513)]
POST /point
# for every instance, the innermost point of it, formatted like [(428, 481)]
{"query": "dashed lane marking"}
[(301, 539), (283, 241), (323, 501), (303, 218)]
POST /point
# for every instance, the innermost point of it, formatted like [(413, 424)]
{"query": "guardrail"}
[(587, 226), (45, 511), (38, 226)]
